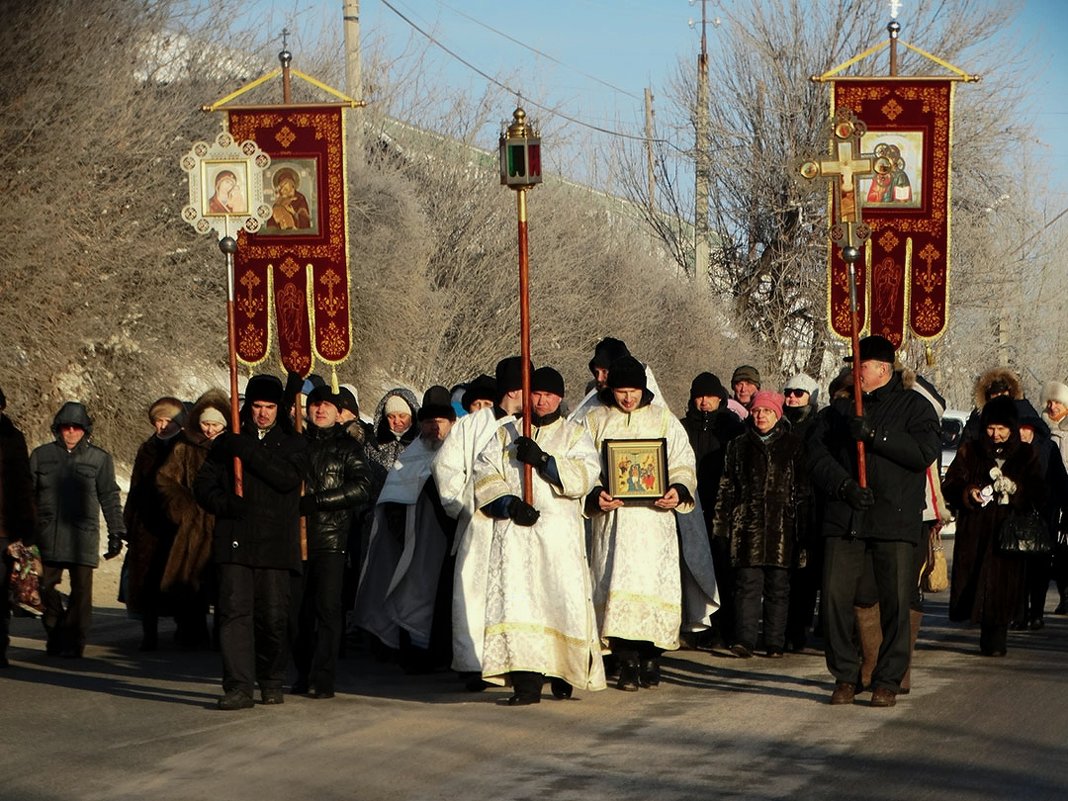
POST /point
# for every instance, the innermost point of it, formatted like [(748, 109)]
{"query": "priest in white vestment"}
[(453, 469), (539, 618), (634, 554)]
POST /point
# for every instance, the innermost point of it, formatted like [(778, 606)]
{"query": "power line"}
[(539, 52), (510, 90)]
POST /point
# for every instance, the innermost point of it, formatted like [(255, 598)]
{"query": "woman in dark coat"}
[(761, 510), (186, 576), (149, 530), (991, 477)]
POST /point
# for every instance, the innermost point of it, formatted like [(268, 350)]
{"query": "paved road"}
[(123, 725)]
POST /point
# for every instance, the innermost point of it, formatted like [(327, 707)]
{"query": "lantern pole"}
[(228, 245), (520, 154)]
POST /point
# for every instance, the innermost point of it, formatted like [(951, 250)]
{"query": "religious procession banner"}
[(297, 261), (903, 282)]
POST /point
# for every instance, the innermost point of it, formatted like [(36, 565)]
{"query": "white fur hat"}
[(1055, 390), (805, 382)]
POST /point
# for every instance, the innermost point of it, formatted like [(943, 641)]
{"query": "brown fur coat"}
[(191, 550)]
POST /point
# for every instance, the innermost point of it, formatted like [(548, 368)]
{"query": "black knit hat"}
[(264, 388), (626, 373), (483, 387), (707, 384), (607, 351), (322, 393), (437, 402), (546, 379), (347, 401), (1000, 411)]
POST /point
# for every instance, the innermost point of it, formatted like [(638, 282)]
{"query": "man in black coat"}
[(337, 487), (710, 425), (257, 541), (16, 509), (879, 524)]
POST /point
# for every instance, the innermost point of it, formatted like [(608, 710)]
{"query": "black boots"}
[(629, 677)]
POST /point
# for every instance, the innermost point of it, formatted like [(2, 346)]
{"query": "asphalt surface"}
[(119, 724)]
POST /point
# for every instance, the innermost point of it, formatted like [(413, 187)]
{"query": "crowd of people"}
[(573, 545)]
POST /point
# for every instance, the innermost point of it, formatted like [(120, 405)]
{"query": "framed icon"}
[(636, 469)]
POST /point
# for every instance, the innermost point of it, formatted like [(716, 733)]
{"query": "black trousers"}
[(804, 590), (893, 566), (253, 613), (751, 586), (68, 628), (319, 620)]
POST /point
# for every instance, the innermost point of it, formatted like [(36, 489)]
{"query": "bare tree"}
[(769, 234)]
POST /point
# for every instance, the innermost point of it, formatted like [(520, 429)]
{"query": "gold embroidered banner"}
[(903, 283), (298, 261)]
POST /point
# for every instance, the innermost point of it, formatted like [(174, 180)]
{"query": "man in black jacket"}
[(337, 486), (879, 524), (257, 541)]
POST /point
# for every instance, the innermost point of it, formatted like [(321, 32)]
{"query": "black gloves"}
[(860, 429), (294, 384), (114, 546), (858, 497), (528, 452), (308, 504), (522, 513)]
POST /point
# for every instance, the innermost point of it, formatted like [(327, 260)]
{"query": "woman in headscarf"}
[(990, 478)]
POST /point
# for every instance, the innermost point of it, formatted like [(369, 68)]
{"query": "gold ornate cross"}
[(848, 164)]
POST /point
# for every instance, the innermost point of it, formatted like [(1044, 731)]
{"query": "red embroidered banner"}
[(299, 259), (904, 278)]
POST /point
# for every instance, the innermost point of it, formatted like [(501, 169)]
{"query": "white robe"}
[(453, 469), (539, 611), (399, 581), (634, 552)]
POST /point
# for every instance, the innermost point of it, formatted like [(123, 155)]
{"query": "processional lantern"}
[(520, 149)]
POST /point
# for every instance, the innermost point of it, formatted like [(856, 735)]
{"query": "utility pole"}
[(353, 78), (650, 162), (700, 228)]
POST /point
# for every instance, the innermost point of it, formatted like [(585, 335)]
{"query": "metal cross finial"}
[(285, 38), (895, 6)]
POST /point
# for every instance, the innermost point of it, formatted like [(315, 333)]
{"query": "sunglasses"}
[(795, 393)]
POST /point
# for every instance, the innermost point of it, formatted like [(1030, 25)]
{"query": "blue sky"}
[(631, 44)]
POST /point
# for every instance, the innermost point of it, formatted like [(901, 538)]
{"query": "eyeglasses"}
[(796, 393)]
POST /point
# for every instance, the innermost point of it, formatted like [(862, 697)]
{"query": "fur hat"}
[(483, 387), (1054, 391), (264, 388), (626, 373), (746, 373), (607, 351), (1000, 411), (766, 399), (708, 384), (546, 379), (168, 407), (437, 402), (875, 349)]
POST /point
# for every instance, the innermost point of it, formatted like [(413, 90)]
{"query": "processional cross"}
[(848, 229)]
